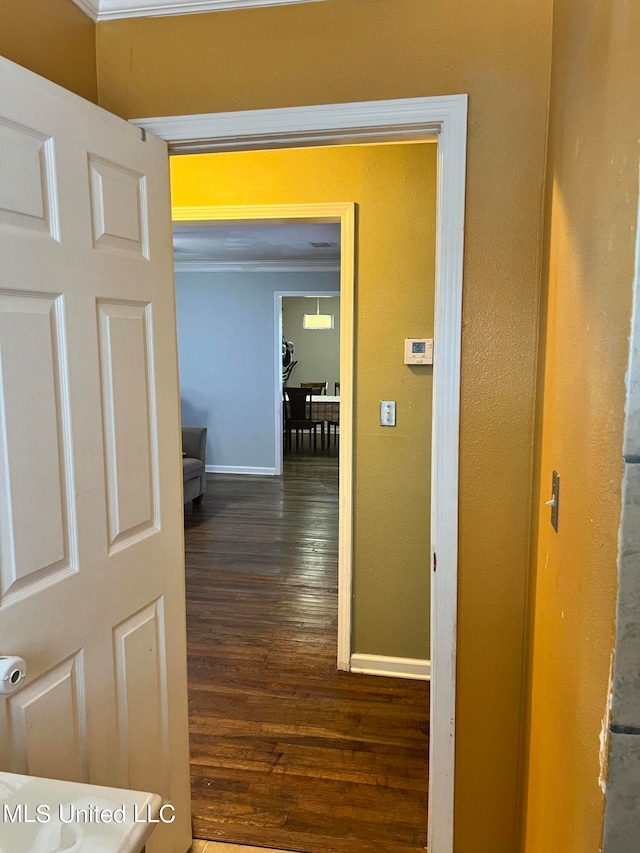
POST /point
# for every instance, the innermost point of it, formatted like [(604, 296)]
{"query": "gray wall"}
[(622, 809), (317, 352), (226, 349)]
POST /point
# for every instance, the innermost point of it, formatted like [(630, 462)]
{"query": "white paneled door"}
[(91, 541)]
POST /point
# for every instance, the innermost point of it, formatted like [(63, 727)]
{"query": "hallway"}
[(286, 752)]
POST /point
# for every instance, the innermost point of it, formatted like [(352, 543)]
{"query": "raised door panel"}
[(118, 209), (47, 719), (27, 179), (128, 418), (35, 464), (141, 685)]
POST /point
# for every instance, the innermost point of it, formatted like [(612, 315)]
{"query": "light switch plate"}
[(387, 413)]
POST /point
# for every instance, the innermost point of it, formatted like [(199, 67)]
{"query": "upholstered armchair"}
[(194, 449)]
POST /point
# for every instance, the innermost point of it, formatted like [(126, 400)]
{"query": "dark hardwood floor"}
[(286, 752)]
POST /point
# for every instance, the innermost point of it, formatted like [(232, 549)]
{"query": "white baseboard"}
[(239, 469), (415, 668)]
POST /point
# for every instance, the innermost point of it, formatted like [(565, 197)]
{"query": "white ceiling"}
[(107, 10), (252, 242)]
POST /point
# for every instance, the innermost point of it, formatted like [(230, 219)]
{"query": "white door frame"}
[(444, 117), (277, 331), (344, 214)]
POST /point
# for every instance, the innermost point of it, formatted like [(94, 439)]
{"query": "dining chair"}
[(299, 416), (321, 385), (334, 424)]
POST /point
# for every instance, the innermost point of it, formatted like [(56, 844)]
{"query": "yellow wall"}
[(394, 187), (499, 51), (587, 283), (54, 38)]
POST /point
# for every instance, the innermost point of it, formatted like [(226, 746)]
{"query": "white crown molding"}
[(89, 7), (258, 266), (109, 10)]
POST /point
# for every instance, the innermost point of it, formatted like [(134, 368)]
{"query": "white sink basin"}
[(48, 816)]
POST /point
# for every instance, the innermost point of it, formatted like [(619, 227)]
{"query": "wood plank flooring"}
[(286, 752)]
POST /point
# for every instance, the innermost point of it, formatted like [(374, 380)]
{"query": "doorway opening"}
[(442, 118), (395, 296), (200, 224), (308, 358)]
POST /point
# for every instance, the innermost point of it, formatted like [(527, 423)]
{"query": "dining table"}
[(325, 407)]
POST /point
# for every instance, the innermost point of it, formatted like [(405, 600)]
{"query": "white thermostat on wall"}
[(418, 351)]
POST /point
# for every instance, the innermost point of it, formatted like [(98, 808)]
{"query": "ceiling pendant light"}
[(318, 322)]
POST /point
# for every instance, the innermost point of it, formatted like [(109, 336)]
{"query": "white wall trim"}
[(293, 266), (445, 119), (286, 127), (109, 10), (452, 158), (420, 670), (239, 469)]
